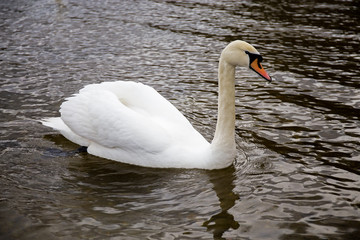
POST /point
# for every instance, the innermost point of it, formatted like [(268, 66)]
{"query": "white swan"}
[(132, 123)]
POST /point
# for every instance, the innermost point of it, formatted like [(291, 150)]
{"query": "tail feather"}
[(58, 124)]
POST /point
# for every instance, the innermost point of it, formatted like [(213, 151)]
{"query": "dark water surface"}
[(298, 171)]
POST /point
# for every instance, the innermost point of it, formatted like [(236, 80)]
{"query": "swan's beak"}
[(255, 65)]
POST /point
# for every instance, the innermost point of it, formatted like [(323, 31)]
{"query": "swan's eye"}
[(253, 57)]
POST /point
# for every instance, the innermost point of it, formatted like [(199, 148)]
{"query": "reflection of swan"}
[(132, 123), (223, 181)]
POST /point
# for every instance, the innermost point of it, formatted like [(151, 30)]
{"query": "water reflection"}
[(128, 189), (223, 185)]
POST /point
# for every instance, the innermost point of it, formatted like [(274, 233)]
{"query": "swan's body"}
[(130, 122)]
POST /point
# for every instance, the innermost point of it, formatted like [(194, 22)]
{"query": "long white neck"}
[(224, 138)]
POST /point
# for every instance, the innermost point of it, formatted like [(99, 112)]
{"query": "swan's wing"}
[(143, 99), (99, 117), (128, 116)]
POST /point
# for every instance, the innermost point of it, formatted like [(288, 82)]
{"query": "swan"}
[(132, 123)]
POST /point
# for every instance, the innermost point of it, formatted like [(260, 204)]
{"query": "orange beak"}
[(255, 60), (256, 66)]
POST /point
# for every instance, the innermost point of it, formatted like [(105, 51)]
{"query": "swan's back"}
[(140, 98), (128, 122)]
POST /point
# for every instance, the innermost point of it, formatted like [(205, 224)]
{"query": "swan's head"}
[(240, 53)]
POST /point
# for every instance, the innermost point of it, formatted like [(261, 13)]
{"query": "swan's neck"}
[(224, 139)]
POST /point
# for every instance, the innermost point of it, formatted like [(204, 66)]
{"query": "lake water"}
[(297, 175)]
